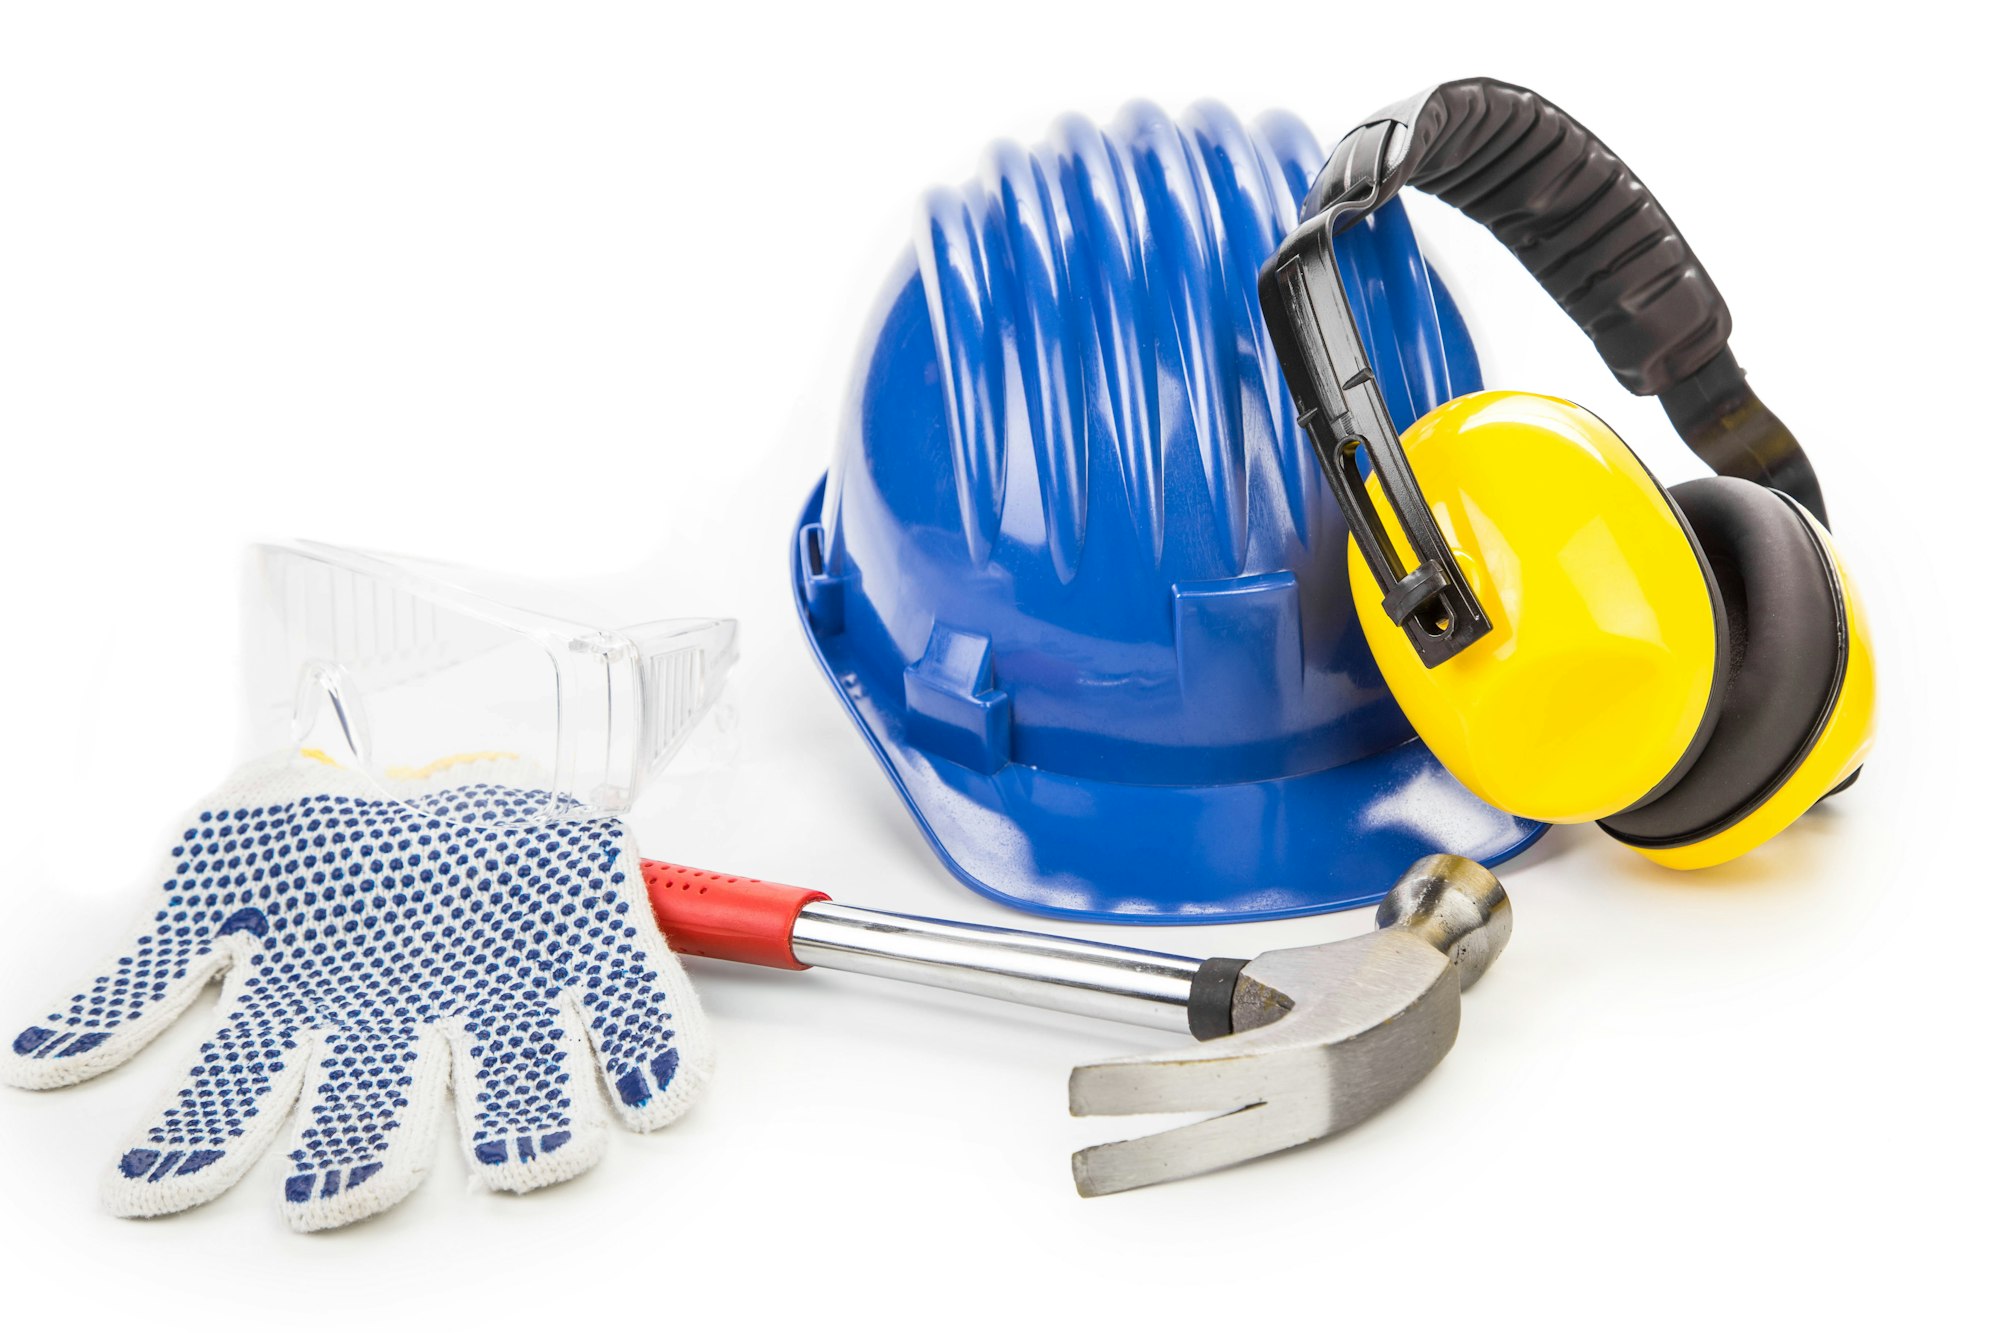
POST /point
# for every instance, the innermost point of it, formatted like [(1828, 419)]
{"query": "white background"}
[(497, 284)]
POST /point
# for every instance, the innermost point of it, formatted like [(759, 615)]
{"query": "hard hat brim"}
[(1092, 850)]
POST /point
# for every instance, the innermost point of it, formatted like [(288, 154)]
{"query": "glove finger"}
[(200, 928), (365, 1138), (645, 1024), (526, 1113), (246, 1077)]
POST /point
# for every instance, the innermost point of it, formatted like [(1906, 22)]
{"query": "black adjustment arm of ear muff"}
[(1340, 408), (1597, 240), (1729, 428)]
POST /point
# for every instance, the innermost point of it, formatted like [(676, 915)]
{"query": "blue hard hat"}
[(1074, 570)]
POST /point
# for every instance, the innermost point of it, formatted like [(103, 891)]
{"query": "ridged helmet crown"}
[(1071, 525)]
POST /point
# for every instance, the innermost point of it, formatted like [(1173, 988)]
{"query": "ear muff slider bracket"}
[(1340, 407)]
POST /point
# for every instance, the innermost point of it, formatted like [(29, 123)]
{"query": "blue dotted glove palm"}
[(376, 955)]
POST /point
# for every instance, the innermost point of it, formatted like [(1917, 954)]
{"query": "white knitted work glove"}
[(376, 956)]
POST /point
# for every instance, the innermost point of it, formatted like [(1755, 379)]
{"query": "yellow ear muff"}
[(1800, 656), (1597, 678)]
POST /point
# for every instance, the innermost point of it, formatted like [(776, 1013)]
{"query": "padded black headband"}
[(1596, 239)]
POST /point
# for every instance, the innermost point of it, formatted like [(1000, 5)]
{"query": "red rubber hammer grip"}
[(707, 915)]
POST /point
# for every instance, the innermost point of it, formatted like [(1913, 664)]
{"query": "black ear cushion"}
[(1786, 657)]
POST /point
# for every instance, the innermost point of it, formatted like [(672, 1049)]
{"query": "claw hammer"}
[(1294, 1045)]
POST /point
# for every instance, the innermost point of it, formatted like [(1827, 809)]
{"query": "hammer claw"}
[(1370, 1016), (1218, 1075), (1188, 1150)]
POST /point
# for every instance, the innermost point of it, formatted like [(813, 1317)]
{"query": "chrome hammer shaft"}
[(1046, 971)]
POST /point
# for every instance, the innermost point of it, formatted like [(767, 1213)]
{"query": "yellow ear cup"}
[(1845, 732), (1597, 677)]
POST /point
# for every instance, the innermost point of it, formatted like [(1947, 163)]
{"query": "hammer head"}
[(1322, 1037)]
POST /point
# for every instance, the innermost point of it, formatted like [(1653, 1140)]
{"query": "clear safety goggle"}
[(404, 675)]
